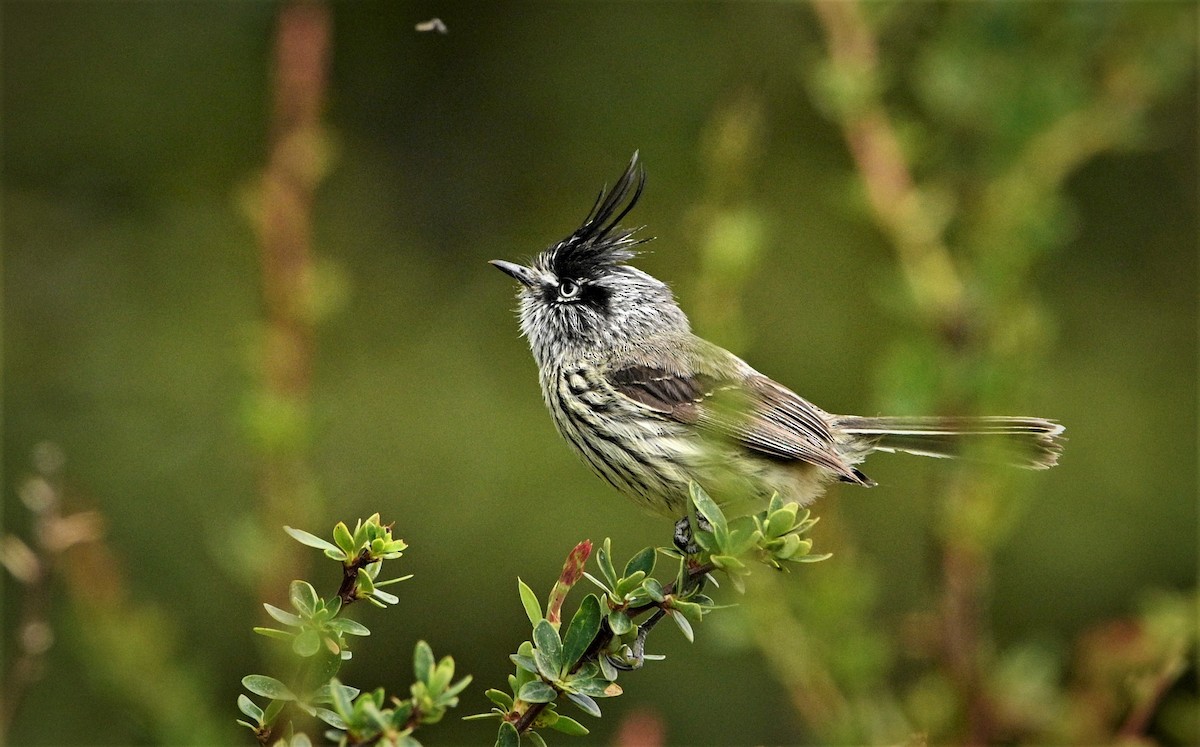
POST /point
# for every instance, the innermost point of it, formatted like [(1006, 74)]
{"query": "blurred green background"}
[(133, 135)]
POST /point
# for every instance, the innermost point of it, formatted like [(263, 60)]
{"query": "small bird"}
[(652, 407)]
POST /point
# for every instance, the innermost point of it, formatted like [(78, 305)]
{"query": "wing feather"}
[(753, 411)]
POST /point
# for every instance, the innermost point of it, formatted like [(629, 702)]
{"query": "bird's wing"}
[(739, 405)]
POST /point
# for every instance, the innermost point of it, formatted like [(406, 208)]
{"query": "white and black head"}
[(579, 296)]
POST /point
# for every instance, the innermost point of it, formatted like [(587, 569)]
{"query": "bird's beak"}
[(524, 275)]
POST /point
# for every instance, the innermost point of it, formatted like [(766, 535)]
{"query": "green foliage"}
[(319, 642), (607, 633)]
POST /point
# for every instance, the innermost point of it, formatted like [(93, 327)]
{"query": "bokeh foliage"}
[(134, 135)]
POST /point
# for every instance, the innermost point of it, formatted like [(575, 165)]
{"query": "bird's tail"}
[(1032, 443)]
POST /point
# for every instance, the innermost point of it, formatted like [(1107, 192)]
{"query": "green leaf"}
[(423, 661), (311, 540), (384, 598), (537, 692), (535, 739), (654, 589), (500, 698), (585, 703), (341, 698), (619, 622), (283, 616), (609, 672), (569, 726), (248, 707), (282, 635), (813, 558), (268, 687), (346, 626), (325, 693), (581, 632), (604, 560), (344, 540), (533, 610), (508, 736), (643, 561), (781, 521), (709, 510), (684, 626), (330, 718), (303, 597), (307, 643), (524, 662), (547, 650)]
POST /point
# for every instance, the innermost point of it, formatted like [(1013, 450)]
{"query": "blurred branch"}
[(297, 162), (127, 645), (33, 567), (938, 291), (893, 197)]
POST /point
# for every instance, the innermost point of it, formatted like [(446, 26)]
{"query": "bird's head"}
[(578, 297)]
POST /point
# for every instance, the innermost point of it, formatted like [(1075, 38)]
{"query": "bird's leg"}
[(683, 539), (639, 644)]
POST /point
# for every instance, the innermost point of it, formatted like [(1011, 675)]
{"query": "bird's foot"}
[(683, 539), (636, 658)]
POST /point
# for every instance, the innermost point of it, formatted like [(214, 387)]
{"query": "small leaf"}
[(508, 736), (607, 669), (384, 598), (330, 718), (268, 687), (303, 597), (423, 661), (684, 626), (312, 540), (537, 692), (781, 521), (341, 699), (283, 616), (709, 510), (643, 561), (248, 707), (500, 698), (529, 600), (547, 649), (325, 693), (344, 540), (654, 589), (307, 643), (346, 626), (524, 662), (585, 703), (569, 726), (282, 635), (582, 630), (604, 560), (619, 622), (813, 558), (534, 738)]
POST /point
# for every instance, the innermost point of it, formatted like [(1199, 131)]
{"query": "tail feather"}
[(1032, 443)]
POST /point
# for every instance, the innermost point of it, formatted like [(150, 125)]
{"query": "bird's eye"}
[(568, 289)]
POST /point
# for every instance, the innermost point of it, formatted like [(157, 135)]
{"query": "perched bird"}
[(651, 407)]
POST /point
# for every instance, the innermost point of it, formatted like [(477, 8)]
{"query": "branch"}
[(604, 637)]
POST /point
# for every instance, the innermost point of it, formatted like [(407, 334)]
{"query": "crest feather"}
[(601, 242)]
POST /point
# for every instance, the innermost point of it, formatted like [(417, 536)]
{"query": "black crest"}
[(600, 242)]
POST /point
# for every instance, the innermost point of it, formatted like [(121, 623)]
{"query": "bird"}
[(652, 408)]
